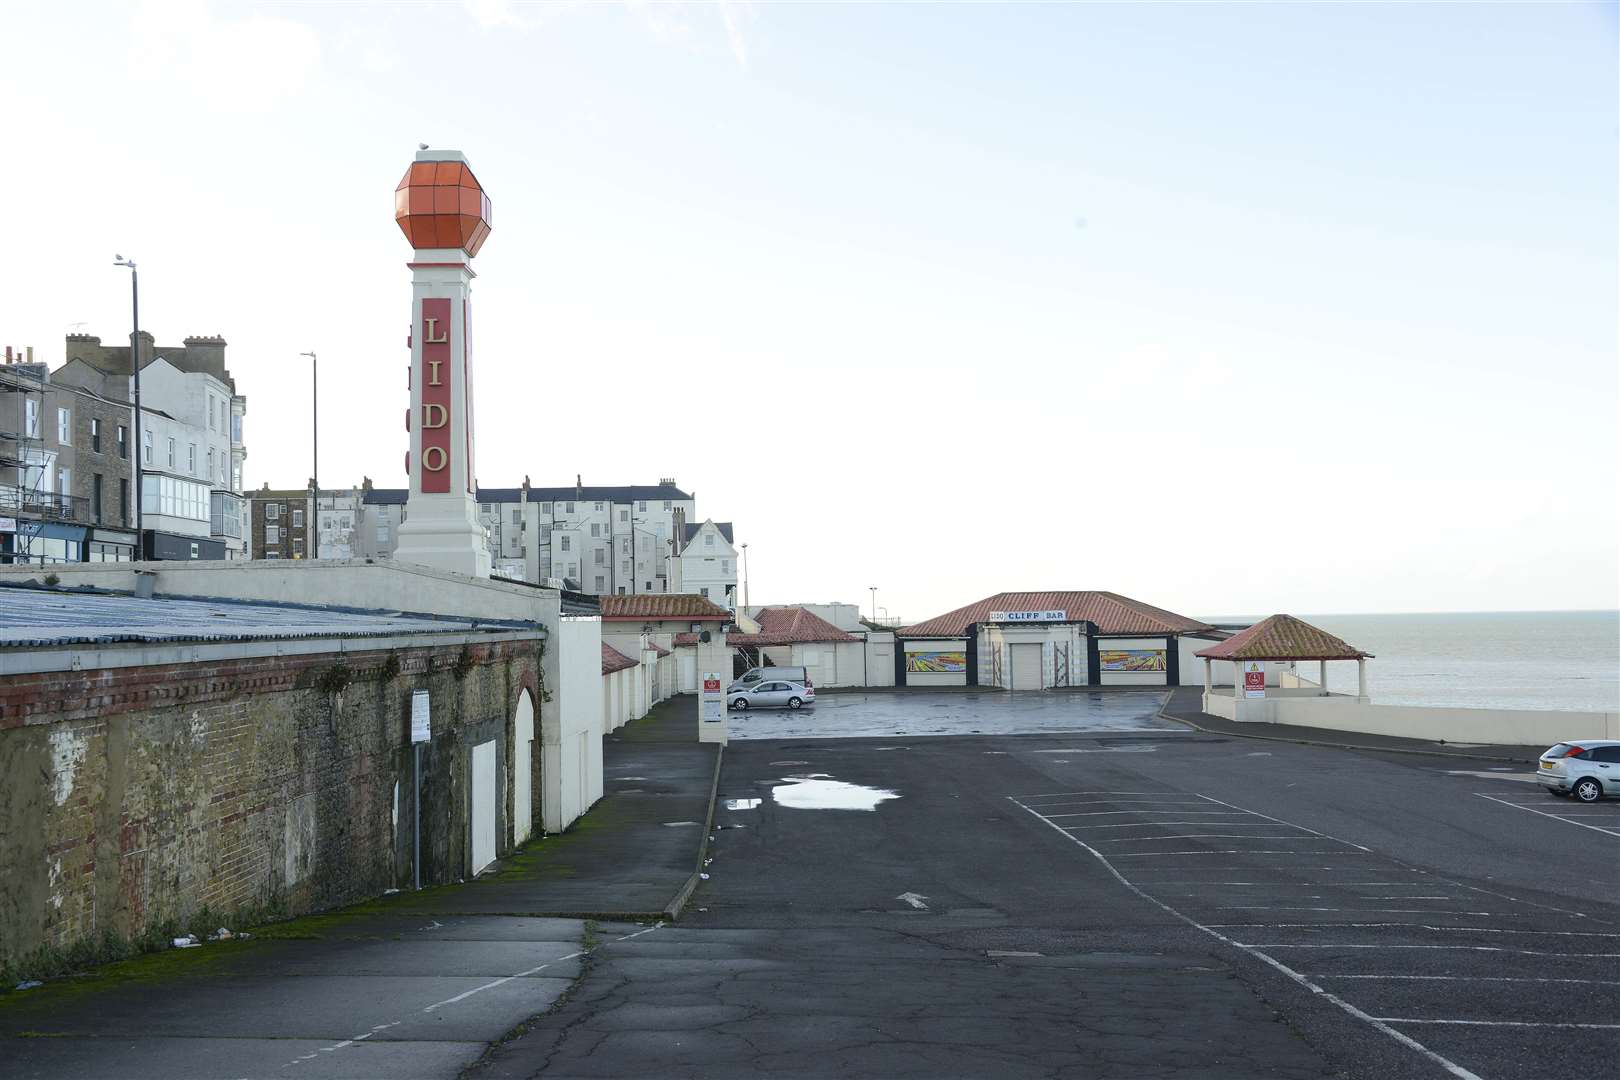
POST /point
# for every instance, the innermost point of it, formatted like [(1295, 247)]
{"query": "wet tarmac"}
[(988, 712)]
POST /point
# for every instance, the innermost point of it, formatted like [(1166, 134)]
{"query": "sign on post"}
[(712, 709), (421, 724), (1254, 678)]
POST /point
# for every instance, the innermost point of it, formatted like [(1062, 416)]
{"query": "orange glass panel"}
[(446, 234), (447, 173), (422, 172), (469, 202), (402, 202), (404, 180), (445, 201), (421, 200), (486, 213), (468, 179)]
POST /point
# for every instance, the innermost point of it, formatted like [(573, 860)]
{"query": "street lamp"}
[(314, 422), (135, 366), (874, 602), (745, 576)]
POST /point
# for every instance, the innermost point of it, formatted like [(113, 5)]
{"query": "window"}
[(545, 508), (298, 547), (64, 427), (624, 516), (298, 519), (171, 451), (627, 567), (64, 481), (226, 515), (382, 533), (146, 446), (31, 425), (236, 429), (573, 570), (174, 497), (601, 557), (95, 496), (725, 566), (95, 434), (621, 590), (568, 508), (211, 426), (195, 553), (596, 529), (647, 585), (567, 543), (191, 459), (601, 583), (210, 463), (272, 554), (641, 507), (666, 504), (123, 501), (517, 515), (598, 508), (704, 591), (272, 512), (123, 441)]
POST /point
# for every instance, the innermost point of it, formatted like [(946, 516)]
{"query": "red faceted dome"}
[(440, 204)]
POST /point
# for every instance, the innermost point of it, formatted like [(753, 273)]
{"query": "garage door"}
[(483, 805), (1026, 667)]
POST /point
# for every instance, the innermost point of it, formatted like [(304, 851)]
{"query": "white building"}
[(706, 563)]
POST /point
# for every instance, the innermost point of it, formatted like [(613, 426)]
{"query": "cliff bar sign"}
[(1029, 616)]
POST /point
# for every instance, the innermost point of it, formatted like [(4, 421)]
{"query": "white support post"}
[(1322, 676), (1361, 679)]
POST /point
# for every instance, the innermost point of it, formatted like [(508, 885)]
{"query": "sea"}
[(1566, 661)]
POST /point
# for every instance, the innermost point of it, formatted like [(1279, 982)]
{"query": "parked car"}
[(1586, 770), (772, 693), (752, 676)]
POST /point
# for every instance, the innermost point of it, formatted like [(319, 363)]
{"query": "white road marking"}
[(1117, 813), (1543, 813), (1279, 821), (1207, 835), (1498, 1023), (916, 900), (1523, 778), (1228, 851), (1476, 978), (1401, 1037), (1067, 794), (1463, 948), (1157, 824)]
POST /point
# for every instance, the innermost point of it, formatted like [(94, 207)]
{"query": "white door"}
[(689, 673), (522, 758), (1026, 667), (483, 805)]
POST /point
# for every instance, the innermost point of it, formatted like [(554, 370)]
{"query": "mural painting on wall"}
[(1131, 659), (945, 662)]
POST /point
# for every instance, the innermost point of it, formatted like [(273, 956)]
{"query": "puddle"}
[(818, 792), (776, 763), (742, 804), (891, 748), (677, 824), (620, 779)]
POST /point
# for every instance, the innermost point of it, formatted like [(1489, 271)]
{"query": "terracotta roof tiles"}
[(1283, 637), (662, 606), (614, 660), (1110, 612)]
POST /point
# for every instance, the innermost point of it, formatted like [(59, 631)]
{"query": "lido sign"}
[(1029, 616)]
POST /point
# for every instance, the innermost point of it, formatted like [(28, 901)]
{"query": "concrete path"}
[(413, 985), (1186, 704), (915, 713)]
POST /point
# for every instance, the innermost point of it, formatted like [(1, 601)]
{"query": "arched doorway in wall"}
[(522, 769)]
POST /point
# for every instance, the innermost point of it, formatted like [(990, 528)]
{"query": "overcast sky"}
[(1231, 308)]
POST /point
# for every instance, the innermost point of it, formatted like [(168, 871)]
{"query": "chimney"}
[(579, 489)]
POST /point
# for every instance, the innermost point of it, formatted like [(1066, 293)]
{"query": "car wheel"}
[(1587, 789), (794, 703), (740, 703)]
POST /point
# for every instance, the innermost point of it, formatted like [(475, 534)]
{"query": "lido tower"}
[(444, 213)]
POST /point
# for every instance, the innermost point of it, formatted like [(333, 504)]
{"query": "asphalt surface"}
[(1113, 904), (958, 712)]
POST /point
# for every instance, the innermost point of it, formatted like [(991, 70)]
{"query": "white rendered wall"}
[(576, 743), (1510, 727)]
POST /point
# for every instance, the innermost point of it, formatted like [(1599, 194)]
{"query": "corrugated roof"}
[(790, 626), (50, 617), (661, 606), (1110, 612), (1283, 637), (614, 660)]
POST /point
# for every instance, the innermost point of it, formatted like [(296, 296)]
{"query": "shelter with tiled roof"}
[(1065, 638), (1280, 639), (795, 636), (658, 606), (614, 660)]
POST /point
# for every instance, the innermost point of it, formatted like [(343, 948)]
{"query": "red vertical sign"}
[(437, 376)]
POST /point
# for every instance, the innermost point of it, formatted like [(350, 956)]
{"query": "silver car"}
[(773, 693), (1585, 770)]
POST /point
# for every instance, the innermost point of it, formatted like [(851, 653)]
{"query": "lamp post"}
[(874, 602), (314, 422), (745, 577), (135, 367)]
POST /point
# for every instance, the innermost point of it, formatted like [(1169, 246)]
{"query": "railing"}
[(45, 505)]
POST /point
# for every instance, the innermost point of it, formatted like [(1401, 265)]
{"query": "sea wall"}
[(1509, 727)]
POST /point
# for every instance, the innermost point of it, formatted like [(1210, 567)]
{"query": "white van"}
[(752, 676)]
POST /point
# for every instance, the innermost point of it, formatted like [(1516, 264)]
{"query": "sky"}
[(1226, 307)]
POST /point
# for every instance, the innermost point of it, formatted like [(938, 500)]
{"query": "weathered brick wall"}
[(135, 795)]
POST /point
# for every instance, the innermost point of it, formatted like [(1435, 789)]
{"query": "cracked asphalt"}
[(1022, 954)]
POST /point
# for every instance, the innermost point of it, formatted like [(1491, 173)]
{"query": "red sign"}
[(1254, 683), (711, 686), (436, 400)]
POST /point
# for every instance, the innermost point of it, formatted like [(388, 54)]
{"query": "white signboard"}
[(1254, 678), (8, 524), (712, 702), (421, 727), (1029, 616)]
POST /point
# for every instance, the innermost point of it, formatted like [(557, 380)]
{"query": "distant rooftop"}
[(691, 530), (34, 617), (1110, 612), (651, 606)]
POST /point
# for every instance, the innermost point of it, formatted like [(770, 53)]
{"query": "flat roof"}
[(36, 617)]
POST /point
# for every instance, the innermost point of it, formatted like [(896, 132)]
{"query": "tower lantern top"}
[(440, 204)]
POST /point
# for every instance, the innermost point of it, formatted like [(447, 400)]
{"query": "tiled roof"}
[(687, 637), (49, 617), (662, 606), (1111, 612), (614, 660), (691, 530), (1283, 637), (660, 650), (790, 626)]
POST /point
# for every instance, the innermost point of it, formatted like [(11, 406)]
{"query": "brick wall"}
[(130, 796)]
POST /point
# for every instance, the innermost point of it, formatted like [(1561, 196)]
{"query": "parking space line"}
[(1315, 988), (1477, 978), (1416, 926), (1066, 794), (1499, 1023), (1268, 817), (1543, 813), (1202, 836), (1156, 824), (1228, 851), (1455, 948), (1117, 813)]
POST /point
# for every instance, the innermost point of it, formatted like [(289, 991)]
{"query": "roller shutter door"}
[(1026, 667)]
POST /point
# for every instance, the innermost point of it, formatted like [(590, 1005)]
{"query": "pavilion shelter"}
[(1275, 640)]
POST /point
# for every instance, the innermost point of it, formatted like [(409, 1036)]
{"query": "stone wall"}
[(131, 796)]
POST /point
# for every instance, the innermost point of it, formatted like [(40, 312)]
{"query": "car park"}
[(1586, 770), (772, 693)]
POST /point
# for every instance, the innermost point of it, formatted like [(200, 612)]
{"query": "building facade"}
[(283, 524), (191, 442), (65, 470), (706, 563)]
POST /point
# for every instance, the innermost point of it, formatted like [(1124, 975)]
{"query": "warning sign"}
[(711, 684), (1254, 678)]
